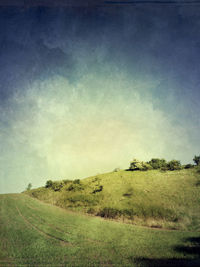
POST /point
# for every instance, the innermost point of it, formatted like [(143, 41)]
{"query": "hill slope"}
[(34, 233), (153, 198)]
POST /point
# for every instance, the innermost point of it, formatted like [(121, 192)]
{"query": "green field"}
[(33, 233), (168, 200)]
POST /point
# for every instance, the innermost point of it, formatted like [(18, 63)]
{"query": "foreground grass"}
[(153, 198), (33, 233)]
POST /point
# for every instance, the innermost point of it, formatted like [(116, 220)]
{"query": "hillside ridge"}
[(155, 198)]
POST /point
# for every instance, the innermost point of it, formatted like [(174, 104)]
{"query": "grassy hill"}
[(154, 198), (34, 233)]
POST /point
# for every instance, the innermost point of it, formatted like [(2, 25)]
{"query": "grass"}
[(34, 233), (153, 198)]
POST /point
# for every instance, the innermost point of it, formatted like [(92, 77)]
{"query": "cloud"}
[(64, 130)]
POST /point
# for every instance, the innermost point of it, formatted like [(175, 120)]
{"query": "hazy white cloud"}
[(63, 130)]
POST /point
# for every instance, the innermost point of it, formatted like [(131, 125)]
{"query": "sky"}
[(86, 89)]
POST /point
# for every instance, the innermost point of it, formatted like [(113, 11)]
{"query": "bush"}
[(99, 188), (75, 187), (91, 211), (196, 160), (109, 213), (146, 166), (56, 186), (49, 184), (66, 181), (174, 165), (188, 166), (76, 181), (139, 165), (157, 163), (135, 165), (129, 213), (156, 212)]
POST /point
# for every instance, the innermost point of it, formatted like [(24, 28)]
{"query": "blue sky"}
[(84, 90)]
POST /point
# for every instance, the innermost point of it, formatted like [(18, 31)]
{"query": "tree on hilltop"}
[(139, 165), (196, 160), (174, 165), (29, 186), (157, 163)]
